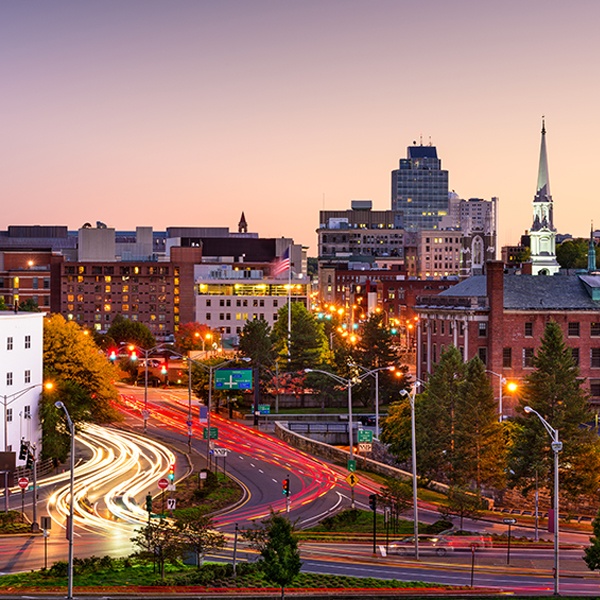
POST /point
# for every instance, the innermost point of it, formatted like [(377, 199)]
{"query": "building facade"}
[(21, 372)]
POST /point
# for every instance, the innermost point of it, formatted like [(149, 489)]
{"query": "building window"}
[(9, 379), (482, 329), (482, 353), (595, 329), (9, 415), (575, 355), (528, 329), (27, 412), (595, 358), (595, 387), (528, 358), (9, 343), (573, 329), (27, 376), (27, 341), (208, 316), (208, 302), (507, 358)]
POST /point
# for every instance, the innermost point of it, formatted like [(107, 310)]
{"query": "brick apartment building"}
[(501, 318)]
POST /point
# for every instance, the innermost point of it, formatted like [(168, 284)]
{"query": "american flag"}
[(282, 264)]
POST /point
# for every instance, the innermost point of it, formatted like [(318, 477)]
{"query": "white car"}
[(428, 544)]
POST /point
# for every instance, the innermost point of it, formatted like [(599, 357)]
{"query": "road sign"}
[(264, 409), (171, 503), (145, 414), (365, 436), (203, 414), (23, 483), (365, 448), (163, 483), (352, 479), (233, 379), (214, 433), (509, 521), (189, 423), (351, 465), (220, 451)]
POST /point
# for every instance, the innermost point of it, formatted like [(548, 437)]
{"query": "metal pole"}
[(34, 524), (556, 449), (500, 407), (414, 470), (350, 440), (235, 539), (189, 423), (146, 393), (71, 508), (377, 404), (5, 425), (210, 379), (536, 506)]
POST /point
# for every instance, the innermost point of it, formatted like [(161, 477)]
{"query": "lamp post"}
[(413, 434), (556, 446), (146, 353), (8, 399), (375, 372), (62, 407), (502, 382)]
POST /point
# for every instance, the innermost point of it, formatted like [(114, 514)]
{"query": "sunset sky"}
[(143, 112)]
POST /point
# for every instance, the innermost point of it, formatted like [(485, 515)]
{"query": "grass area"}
[(13, 522), (110, 573)]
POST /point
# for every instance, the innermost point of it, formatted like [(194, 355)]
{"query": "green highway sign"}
[(264, 409), (233, 379), (214, 433), (351, 465), (365, 436)]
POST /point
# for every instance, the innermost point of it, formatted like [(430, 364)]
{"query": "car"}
[(459, 539), (428, 544), (367, 420)]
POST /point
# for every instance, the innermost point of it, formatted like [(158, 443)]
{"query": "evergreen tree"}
[(480, 457), (592, 552), (125, 331), (554, 390), (256, 342), (307, 344)]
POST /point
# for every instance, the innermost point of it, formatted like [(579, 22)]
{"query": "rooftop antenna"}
[(421, 140), (430, 140)]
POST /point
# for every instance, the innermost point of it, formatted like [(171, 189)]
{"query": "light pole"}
[(375, 372), (413, 434), (502, 382), (556, 446), (62, 407)]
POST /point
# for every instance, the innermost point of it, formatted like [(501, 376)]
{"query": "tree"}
[(307, 344), (398, 496), (554, 390), (29, 305), (125, 331), (462, 504), (572, 254), (196, 533), (256, 343), (56, 437), (278, 546), (70, 355), (193, 336), (158, 541), (479, 458), (592, 552)]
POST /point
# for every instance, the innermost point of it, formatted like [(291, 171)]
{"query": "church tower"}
[(542, 235)]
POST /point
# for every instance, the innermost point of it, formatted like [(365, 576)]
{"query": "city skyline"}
[(143, 113)]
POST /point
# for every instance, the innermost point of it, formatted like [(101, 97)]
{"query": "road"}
[(123, 466)]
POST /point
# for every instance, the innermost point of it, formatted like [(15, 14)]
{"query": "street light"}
[(376, 373), (556, 446), (511, 387), (411, 398), (60, 405), (146, 353)]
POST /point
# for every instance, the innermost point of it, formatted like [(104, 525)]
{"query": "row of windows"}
[(26, 413), (241, 316), (527, 355), (242, 302), (110, 270), (573, 329), (26, 377), (10, 342)]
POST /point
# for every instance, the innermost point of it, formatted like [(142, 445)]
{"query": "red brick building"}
[(501, 318)]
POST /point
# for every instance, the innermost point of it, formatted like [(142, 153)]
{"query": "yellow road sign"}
[(352, 479)]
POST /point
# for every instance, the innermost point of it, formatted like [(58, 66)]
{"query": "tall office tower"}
[(542, 235), (420, 189)]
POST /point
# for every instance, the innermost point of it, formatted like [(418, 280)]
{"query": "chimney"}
[(495, 298)]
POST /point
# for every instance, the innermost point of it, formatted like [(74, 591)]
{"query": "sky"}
[(186, 113)]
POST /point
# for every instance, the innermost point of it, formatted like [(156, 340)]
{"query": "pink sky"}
[(187, 113)]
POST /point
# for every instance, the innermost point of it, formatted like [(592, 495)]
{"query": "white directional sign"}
[(220, 451), (171, 503), (364, 448)]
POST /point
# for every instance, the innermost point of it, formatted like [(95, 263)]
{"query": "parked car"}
[(460, 539), (428, 544), (367, 420)]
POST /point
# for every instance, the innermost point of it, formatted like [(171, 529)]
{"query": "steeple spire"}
[(543, 182), (591, 251)]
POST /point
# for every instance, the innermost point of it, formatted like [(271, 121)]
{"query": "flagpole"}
[(289, 306)]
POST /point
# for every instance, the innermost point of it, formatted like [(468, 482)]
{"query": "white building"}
[(21, 378)]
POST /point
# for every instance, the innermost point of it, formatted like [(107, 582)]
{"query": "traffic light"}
[(23, 450), (149, 503), (164, 369), (373, 501), (30, 457), (286, 487), (112, 355), (171, 474), (133, 355)]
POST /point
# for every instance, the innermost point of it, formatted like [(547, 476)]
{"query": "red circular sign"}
[(23, 482), (163, 483)]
